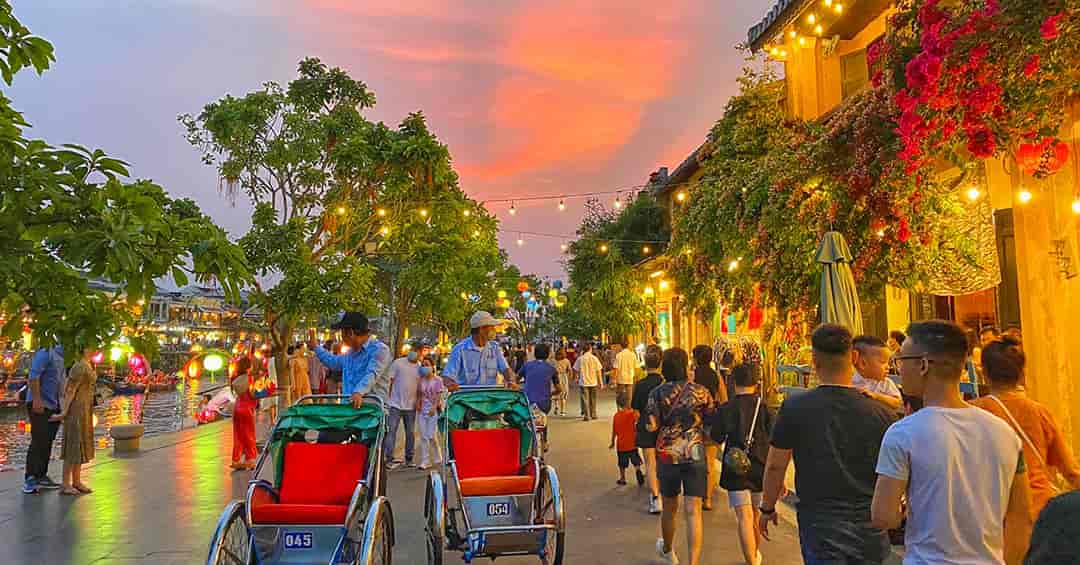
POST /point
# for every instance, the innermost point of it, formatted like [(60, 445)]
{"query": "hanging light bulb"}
[(603, 248), (880, 232), (646, 250), (732, 266), (385, 230), (811, 19), (1024, 196), (520, 241), (476, 233), (381, 212), (974, 193), (513, 209), (827, 3), (467, 212), (792, 34), (838, 8), (341, 210), (1076, 206), (783, 53), (423, 212), (681, 196), (802, 42), (562, 205), (818, 30), (563, 247)]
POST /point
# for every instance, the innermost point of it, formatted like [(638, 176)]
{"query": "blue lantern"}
[(557, 284), (526, 294)]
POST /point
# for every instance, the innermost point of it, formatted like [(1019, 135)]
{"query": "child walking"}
[(243, 420), (624, 439), (429, 392)]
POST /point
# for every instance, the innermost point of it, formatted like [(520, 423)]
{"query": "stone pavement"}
[(161, 507)]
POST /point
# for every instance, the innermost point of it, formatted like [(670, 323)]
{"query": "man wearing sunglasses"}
[(962, 468)]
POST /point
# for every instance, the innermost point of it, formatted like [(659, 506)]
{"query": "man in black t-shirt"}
[(834, 434), (646, 440)]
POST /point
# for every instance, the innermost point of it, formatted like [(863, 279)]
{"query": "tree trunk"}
[(280, 334)]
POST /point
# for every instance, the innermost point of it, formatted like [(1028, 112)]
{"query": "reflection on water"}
[(160, 412)]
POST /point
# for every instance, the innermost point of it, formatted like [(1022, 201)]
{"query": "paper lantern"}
[(553, 293), (501, 294), (526, 295), (97, 358), (193, 369), (557, 284), (522, 286), (213, 362), (115, 353)]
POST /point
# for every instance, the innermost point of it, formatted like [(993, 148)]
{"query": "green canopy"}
[(512, 405), (365, 421), (839, 298)]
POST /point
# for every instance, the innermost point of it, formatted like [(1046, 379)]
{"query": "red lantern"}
[(522, 286)]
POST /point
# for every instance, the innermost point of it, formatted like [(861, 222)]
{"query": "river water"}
[(159, 412)]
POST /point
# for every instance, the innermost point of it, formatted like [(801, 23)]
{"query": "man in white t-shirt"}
[(589, 371), (626, 365), (871, 371), (404, 380), (962, 468)]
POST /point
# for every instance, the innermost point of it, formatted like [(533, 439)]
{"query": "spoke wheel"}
[(231, 544), (378, 543), (549, 512), (434, 515)]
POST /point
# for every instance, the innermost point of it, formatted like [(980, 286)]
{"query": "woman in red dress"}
[(243, 420)]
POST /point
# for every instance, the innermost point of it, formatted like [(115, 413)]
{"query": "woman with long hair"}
[(78, 417), (1046, 451), (243, 420)]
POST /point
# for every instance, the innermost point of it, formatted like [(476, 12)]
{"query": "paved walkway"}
[(161, 507)]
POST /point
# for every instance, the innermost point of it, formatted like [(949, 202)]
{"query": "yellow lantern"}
[(501, 294)]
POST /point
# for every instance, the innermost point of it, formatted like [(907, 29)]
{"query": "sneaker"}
[(30, 486), (47, 483), (656, 505), (394, 464), (410, 464), (667, 558), (640, 477), (423, 467), (620, 482)]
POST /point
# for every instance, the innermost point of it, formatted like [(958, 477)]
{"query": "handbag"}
[(737, 459), (1055, 480)]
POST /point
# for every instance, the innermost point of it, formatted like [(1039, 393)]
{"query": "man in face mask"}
[(404, 377)]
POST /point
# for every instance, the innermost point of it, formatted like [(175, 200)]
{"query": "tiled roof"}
[(683, 172), (778, 16)]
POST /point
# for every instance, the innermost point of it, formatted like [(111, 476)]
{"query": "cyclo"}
[(494, 495), (317, 494)]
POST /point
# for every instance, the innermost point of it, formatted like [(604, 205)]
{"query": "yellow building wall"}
[(1049, 281), (897, 308)]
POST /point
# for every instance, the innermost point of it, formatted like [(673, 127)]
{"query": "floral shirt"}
[(680, 417)]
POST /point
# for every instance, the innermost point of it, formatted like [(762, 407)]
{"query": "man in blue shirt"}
[(43, 396), (365, 368), (477, 359), (540, 378)]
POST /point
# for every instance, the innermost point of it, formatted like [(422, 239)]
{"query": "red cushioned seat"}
[(489, 462), (317, 484)]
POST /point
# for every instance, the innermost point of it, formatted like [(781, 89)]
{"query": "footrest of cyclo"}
[(499, 525)]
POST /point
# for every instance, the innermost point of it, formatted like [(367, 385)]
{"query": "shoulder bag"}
[(737, 459), (1055, 480)]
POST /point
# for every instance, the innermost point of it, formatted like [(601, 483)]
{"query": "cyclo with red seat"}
[(317, 493), (494, 495)]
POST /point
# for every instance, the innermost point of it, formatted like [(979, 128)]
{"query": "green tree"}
[(607, 289), (350, 213), (69, 213)]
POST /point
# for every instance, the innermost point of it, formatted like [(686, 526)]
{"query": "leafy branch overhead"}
[(69, 213)]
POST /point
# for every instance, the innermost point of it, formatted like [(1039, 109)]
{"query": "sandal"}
[(69, 491), (83, 488)]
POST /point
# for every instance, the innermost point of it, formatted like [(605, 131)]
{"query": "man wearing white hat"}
[(477, 359)]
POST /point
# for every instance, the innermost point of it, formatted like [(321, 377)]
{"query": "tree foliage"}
[(350, 213), (606, 288), (69, 213)]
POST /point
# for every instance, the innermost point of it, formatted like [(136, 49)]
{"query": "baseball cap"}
[(355, 321), (484, 319)]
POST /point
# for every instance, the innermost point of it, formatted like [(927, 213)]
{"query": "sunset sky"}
[(537, 97)]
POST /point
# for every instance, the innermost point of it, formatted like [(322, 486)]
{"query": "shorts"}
[(627, 458), (646, 439), (737, 498), (688, 479)]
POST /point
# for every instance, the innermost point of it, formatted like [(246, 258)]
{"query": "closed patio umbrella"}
[(839, 299)]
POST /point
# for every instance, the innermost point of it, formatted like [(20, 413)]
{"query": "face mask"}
[(425, 371), (412, 356)]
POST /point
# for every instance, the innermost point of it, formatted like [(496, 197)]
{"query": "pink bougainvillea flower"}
[(903, 233), (985, 98), (1049, 29), (978, 55), (1031, 67), (981, 142)]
